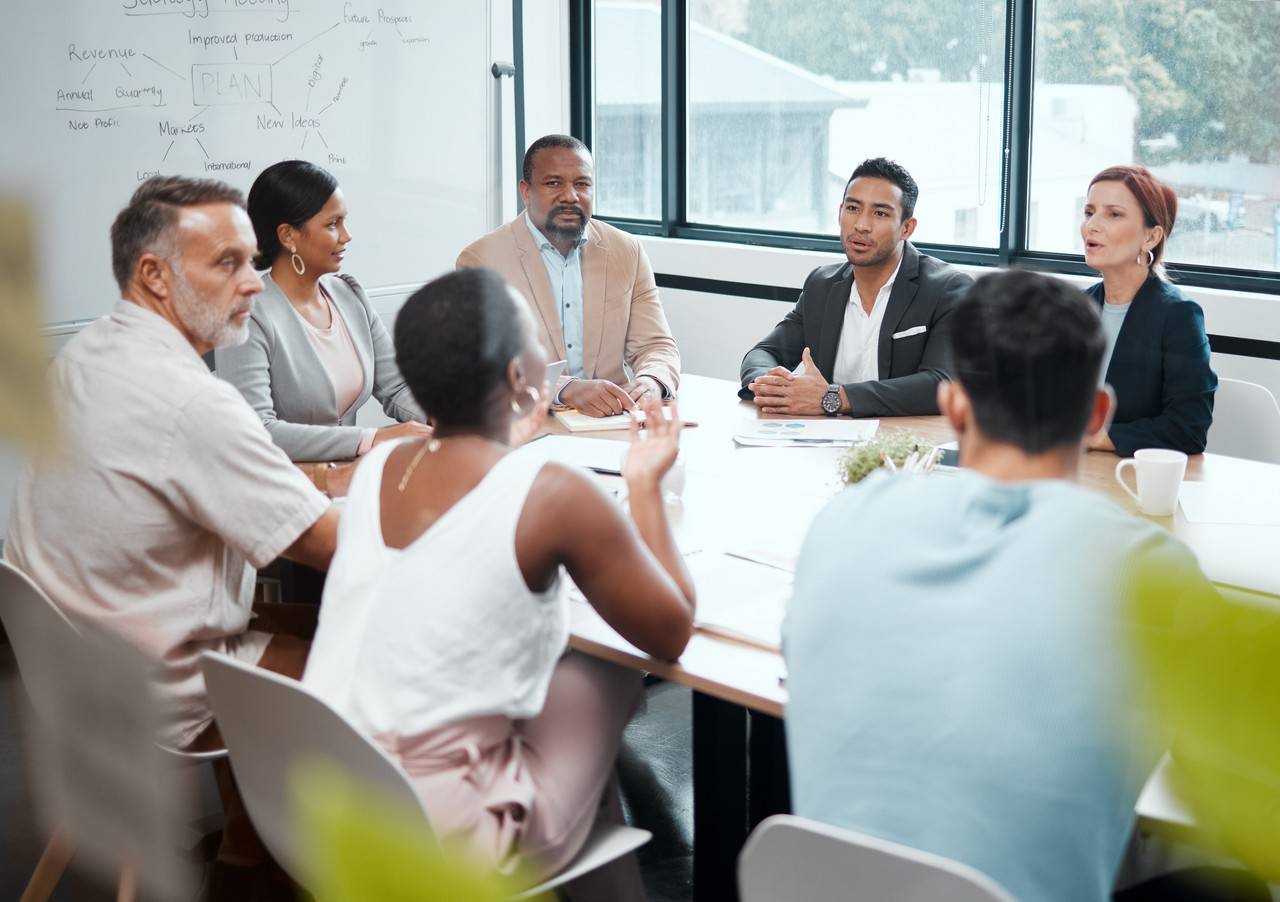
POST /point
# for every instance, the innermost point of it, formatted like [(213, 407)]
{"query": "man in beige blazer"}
[(590, 286)]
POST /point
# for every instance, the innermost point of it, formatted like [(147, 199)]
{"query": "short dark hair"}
[(880, 168), (147, 222), (566, 141), (454, 338), (290, 191), (1027, 349)]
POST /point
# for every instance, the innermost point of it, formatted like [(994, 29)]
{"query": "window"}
[(1003, 110), (786, 97), (1191, 91), (967, 225), (627, 129)]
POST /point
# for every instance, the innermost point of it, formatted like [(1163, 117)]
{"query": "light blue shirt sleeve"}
[(1112, 320), (565, 276)]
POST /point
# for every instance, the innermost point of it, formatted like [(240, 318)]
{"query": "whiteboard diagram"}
[(392, 97)]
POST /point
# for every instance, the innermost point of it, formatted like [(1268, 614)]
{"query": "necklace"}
[(430, 446)]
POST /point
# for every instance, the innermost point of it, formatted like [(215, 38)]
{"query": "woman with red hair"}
[(1157, 356)]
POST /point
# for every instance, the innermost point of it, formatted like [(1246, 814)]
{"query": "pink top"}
[(338, 356)]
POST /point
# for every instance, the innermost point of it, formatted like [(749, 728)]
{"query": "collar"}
[(541, 240), (137, 318)]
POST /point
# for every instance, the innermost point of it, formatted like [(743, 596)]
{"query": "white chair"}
[(1246, 422), (270, 722), (793, 859), (43, 639)]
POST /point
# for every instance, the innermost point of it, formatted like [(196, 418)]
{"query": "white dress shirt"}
[(858, 354)]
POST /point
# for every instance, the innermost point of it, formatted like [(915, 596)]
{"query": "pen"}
[(687, 424)]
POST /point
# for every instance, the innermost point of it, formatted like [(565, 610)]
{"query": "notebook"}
[(740, 599), (593, 454), (580, 422)]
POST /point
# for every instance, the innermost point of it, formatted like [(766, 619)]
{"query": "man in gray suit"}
[(873, 324)]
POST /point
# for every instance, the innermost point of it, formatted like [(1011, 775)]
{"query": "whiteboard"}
[(391, 96)]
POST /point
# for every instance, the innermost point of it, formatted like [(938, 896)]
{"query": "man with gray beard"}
[(166, 492)]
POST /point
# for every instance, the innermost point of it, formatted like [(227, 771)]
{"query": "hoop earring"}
[(298, 266), (535, 398), (1151, 259)]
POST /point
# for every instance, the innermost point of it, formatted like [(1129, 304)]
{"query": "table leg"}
[(719, 797), (769, 787)]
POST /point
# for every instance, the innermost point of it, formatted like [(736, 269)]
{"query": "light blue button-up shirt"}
[(1112, 322), (565, 275)]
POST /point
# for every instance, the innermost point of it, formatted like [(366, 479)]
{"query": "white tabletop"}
[(736, 496)]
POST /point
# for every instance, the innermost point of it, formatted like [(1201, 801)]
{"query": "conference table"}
[(763, 499)]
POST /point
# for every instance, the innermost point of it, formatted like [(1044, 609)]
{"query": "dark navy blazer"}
[(1160, 372), (911, 365)]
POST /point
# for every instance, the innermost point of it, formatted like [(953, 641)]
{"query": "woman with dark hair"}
[(1157, 354), (317, 349), (444, 624)]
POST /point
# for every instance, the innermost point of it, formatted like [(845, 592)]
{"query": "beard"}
[(573, 233), (204, 321), (873, 257)]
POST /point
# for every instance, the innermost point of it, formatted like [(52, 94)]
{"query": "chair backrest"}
[(793, 859), (270, 724), (1246, 422), (40, 634), (94, 759)]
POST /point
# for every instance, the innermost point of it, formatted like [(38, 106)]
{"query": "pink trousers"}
[(523, 794)]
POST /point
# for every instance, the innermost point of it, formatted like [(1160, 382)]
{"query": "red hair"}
[(1158, 201)]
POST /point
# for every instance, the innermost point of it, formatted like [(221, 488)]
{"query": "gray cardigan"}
[(282, 378)]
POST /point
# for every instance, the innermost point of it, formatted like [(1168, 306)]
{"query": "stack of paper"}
[(580, 422), (595, 454), (829, 433), (740, 599)]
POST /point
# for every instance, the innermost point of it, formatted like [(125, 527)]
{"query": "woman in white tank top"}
[(444, 624)]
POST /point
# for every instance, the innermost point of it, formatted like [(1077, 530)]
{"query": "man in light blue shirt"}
[(957, 643)]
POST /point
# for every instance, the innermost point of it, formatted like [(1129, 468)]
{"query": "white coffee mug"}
[(1159, 472)]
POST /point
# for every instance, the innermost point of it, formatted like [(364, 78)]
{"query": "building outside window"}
[(785, 97)]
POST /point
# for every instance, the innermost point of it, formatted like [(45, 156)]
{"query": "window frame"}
[(1015, 173)]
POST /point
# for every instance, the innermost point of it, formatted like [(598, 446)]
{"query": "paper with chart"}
[(740, 599), (825, 433)]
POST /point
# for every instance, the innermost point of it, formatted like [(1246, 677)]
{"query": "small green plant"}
[(861, 461)]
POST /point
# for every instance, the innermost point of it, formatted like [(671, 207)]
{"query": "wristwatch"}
[(831, 400)]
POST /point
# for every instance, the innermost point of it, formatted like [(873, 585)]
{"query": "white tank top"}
[(445, 629)]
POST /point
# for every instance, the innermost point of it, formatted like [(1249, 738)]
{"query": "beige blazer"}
[(623, 325)]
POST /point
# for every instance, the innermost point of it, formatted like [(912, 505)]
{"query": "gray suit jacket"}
[(911, 366), (282, 378)]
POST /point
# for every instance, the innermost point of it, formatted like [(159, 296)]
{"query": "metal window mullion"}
[(1017, 156), (517, 42), (674, 104), (581, 73)]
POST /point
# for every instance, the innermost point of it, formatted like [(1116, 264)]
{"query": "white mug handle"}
[(1127, 462)]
